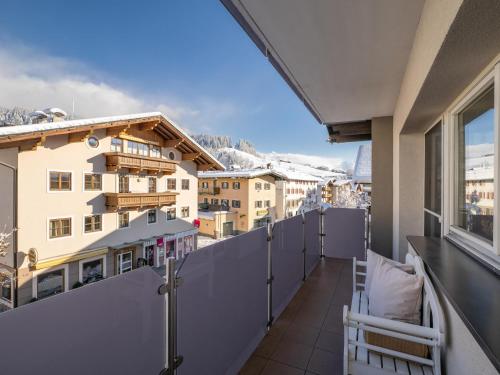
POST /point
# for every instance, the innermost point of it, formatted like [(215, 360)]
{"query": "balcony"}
[(206, 207), (210, 191), (134, 201), (138, 163)]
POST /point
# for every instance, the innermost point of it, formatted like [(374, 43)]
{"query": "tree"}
[(4, 242)]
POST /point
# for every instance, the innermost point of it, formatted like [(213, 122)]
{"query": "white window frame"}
[(166, 217), (34, 284), (86, 260), (483, 249), (83, 225), (58, 218), (119, 260), (60, 191), (83, 181), (182, 212), (147, 217), (118, 220)]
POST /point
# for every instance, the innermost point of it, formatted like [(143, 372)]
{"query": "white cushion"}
[(395, 294), (371, 261)]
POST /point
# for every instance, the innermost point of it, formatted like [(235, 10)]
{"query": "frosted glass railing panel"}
[(114, 326), (222, 304), (312, 238), (287, 261), (345, 233)]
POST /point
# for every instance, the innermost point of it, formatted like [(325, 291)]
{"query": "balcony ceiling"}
[(344, 58)]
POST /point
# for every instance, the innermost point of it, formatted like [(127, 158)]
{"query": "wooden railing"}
[(119, 201), (138, 163)]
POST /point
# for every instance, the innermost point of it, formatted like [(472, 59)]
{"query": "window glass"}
[(93, 181), (93, 223), (236, 204), (171, 213), (475, 167), (155, 152), (116, 144), (50, 283), (258, 204), (151, 216), (60, 181), (60, 228), (93, 142), (185, 184), (123, 219), (92, 270), (185, 211), (123, 183), (236, 185), (152, 185), (171, 184), (432, 226), (6, 287), (433, 169), (225, 185), (267, 186), (124, 262), (132, 147), (258, 186)]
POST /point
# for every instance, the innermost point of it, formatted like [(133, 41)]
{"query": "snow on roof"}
[(481, 173), (294, 175), (341, 182), (238, 173), (33, 128), (363, 167)]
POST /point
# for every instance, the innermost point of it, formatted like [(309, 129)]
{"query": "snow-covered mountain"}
[(14, 116), (243, 154)]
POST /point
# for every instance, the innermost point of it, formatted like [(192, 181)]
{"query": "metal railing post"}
[(322, 232), (170, 291), (270, 277)]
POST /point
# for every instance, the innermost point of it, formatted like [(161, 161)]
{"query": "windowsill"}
[(471, 287)]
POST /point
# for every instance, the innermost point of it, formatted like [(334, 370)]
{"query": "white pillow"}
[(373, 259), (395, 294)]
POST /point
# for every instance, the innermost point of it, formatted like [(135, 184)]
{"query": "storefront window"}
[(50, 283), (92, 270), (124, 262), (6, 287)]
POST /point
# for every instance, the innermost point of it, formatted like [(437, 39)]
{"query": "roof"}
[(363, 167), (296, 176), (12, 135), (240, 173)]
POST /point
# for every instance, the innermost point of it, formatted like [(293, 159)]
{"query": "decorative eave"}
[(350, 131)]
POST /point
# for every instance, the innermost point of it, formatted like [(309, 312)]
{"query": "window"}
[(151, 184), (433, 173), (258, 186), (224, 202), (92, 223), (267, 203), (236, 185), (215, 201), (92, 270), (185, 184), (92, 181), (205, 200), (475, 154), (60, 227), (267, 186), (49, 283), (204, 185), (152, 216), (59, 181), (185, 212), (258, 204), (236, 204), (116, 145), (225, 185), (123, 219), (123, 184), (6, 287), (171, 213), (124, 262), (171, 184), (171, 155), (137, 148), (155, 151)]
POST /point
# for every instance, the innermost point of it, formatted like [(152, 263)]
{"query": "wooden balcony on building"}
[(139, 163), (135, 201)]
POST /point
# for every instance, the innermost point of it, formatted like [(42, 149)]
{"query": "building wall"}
[(381, 202), (213, 227), (261, 195)]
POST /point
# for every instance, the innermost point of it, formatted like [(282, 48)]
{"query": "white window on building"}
[(236, 185), (258, 186), (236, 203), (185, 212), (204, 185), (50, 282), (225, 185), (92, 223), (185, 184), (267, 203), (151, 216), (123, 219), (171, 213), (224, 203), (258, 204), (124, 262), (92, 182), (60, 181), (60, 227), (171, 184), (267, 186), (155, 151), (116, 145)]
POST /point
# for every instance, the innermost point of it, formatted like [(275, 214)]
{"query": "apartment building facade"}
[(95, 198), (238, 201), (292, 191), (333, 189)]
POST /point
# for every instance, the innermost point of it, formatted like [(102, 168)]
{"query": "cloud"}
[(34, 80)]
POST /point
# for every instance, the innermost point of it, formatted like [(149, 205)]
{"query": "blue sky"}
[(188, 58)]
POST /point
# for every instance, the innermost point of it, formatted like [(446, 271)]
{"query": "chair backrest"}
[(432, 313)]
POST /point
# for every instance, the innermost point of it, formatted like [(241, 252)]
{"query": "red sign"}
[(159, 242), (196, 223)]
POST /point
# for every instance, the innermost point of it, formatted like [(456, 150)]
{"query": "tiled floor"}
[(308, 336)]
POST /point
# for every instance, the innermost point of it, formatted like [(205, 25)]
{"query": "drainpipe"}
[(14, 224)]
